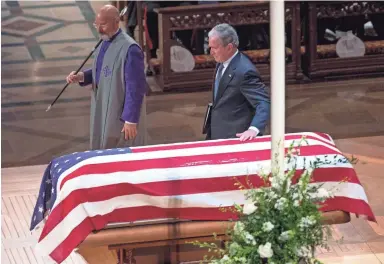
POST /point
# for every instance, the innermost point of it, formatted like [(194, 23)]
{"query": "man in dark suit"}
[(241, 103)]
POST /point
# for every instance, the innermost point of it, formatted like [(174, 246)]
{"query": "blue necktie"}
[(217, 79)]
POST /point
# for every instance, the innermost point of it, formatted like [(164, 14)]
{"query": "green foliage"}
[(280, 222)]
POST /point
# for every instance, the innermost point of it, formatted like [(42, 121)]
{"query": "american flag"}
[(83, 192)]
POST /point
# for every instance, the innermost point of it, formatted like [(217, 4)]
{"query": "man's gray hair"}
[(226, 33)]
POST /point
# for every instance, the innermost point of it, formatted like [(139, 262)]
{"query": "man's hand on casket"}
[(129, 130), (247, 135)]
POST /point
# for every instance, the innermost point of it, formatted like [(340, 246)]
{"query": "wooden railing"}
[(320, 58), (207, 16)]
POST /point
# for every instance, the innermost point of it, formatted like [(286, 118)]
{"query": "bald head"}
[(107, 21), (109, 11)]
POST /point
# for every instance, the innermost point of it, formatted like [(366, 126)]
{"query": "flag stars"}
[(59, 166)]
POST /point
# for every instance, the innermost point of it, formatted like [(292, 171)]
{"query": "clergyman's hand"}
[(129, 130), (247, 135), (75, 78)]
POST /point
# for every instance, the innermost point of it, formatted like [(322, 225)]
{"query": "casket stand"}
[(163, 242)]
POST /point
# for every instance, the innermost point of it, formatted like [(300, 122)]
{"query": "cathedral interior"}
[(43, 41)]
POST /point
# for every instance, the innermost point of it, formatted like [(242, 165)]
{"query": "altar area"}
[(363, 240)]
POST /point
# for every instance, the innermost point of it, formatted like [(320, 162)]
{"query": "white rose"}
[(306, 222), (285, 235), (281, 203), (265, 251), (249, 208), (249, 239), (268, 226)]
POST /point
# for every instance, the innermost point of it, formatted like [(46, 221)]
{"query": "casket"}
[(147, 202)]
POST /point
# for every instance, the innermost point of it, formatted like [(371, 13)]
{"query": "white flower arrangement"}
[(279, 223)]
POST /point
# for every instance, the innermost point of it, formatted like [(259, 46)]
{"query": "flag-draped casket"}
[(85, 191)]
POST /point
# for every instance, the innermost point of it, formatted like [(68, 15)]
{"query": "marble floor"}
[(42, 41)]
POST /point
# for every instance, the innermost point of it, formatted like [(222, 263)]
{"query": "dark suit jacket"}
[(242, 101)]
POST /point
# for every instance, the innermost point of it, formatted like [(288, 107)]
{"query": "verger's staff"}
[(122, 13)]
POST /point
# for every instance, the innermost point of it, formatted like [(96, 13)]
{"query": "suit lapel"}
[(227, 77)]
